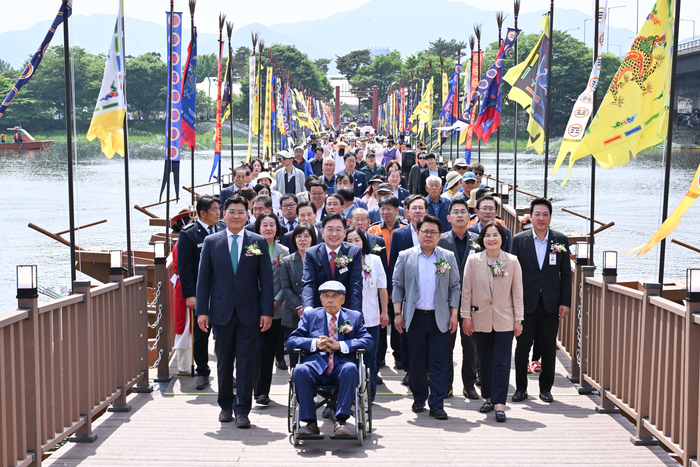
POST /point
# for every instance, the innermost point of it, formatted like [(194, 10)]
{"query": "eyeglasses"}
[(461, 212), (333, 231), (236, 213), (479, 174), (429, 233), (288, 206), (317, 195)]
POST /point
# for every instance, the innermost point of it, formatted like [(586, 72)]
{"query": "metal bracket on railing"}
[(155, 364)]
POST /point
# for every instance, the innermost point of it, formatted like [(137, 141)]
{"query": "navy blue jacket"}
[(317, 270), (378, 240), (249, 293), (189, 249), (401, 239), (359, 183), (444, 206)]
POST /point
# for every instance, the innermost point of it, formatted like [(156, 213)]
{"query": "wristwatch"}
[(519, 321)]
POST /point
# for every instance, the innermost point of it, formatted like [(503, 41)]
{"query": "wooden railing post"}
[(583, 318), (643, 437), (32, 378), (143, 386), (162, 332), (85, 363), (606, 405), (574, 328), (691, 392), (119, 404)]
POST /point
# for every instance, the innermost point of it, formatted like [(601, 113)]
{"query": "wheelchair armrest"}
[(360, 351), (297, 351)]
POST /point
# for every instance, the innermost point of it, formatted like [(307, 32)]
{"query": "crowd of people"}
[(363, 242)]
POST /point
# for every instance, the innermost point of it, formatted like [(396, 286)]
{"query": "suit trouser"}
[(267, 349), (370, 359), (425, 338), (305, 378), (494, 351), (545, 325), (235, 339), (200, 348), (469, 358), (395, 341)]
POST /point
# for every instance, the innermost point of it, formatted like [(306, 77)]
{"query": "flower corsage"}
[(558, 248), (497, 270), (253, 250), (345, 328), (277, 262), (342, 261), (377, 248), (474, 245), (366, 270), (442, 267)]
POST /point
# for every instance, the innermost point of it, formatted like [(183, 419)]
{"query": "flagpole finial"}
[(500, 18), (516, 8), (477, 31), (442, 61), (261, 45), (229, 29), (222, 20), (192, 5), (472, 43), (254, 37)]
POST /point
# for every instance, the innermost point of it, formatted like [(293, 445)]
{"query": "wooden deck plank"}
[(171, 427)]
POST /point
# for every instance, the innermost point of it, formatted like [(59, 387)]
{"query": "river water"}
[(33, 188)]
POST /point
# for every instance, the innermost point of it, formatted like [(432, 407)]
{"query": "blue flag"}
[(63, 13), (189, 96)]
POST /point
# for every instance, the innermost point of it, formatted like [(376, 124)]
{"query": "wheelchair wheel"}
[(291, 407)]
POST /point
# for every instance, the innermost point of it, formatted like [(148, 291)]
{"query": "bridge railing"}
[(641, 353), (64, 362), (685, 47)]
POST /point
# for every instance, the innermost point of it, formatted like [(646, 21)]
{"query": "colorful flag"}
[(174, 104), (467, 115), (674, 219), (448, 109), (583, 107), (490, 111), (424, 110), (634, 112), (108, 119), (251, 102), (219, 112), (63, 12), (267, 138), (226, 90), (189, 95), (476, 60), (529, 81)]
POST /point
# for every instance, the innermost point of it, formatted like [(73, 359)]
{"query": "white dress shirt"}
[(343, 345), (206, 227), (426, 281), (541, 247), (370, 290), (239, 240), (414, 235)]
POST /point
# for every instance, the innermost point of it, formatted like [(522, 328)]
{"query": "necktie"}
[(290, 224), (211, 229), (332, 263), (333, 334), (234, 253)]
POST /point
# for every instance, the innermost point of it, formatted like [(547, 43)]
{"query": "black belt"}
[(425, 311)]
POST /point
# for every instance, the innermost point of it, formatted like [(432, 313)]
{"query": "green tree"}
[(349, 64), (423, 61), (446, 48), (207, 65), (384, 71), (322, 64), (206, 106), (4, 66), (239, 62), (146, 83)]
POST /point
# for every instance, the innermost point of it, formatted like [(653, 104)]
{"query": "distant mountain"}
[(378, 23)]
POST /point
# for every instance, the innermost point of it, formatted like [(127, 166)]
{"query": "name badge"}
[(552, 259), (199, 245), (471, 252), (343, 271)]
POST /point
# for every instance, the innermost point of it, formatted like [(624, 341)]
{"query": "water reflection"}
[(34, 189)]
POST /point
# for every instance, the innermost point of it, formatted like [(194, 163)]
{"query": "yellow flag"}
[(256, 102), (674, 219), (267, 133), (634, 112)]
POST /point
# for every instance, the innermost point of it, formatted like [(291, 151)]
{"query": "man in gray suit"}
[(462, 244), (426, 283)]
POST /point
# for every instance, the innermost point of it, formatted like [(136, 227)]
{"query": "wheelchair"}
[(362, 407)]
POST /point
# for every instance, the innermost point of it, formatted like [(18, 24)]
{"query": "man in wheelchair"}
[(328, 336)]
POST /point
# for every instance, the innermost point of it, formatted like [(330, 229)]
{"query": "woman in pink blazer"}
[(492, 309)]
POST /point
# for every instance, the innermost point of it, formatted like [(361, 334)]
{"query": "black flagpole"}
[(168, 142), (69, 144), (129, 260), (261, 47), (516, 11), (442, 98), (549, 96), (596, 28), (222, 19), (477, 33), (229, 31), (192, 4), (669, 134), (500, 17)]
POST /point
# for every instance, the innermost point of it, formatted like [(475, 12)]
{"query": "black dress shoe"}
[(398, 365), (242, 421), (438, 414), (500, 416), (486, 408), (546, 396), (404, 381), (418, 407), (282, 365), (309, 429), (381, 364), (226, 416), (380, 380), (327, 412), (263, 400), (202, 382), (470, 393), (519, 396)]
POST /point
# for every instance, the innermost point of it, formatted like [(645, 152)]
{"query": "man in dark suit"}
[(486, 210), (329, 347), (262, 204), (306, 213), (437, 205), (544, 258), (237, 306), (431, 168), (403, 239), (189, 249), (359, 179), (461, 243), (333, 260), (239, 181)]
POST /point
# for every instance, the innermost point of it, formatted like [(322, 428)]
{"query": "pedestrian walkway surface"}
[(177, 425)]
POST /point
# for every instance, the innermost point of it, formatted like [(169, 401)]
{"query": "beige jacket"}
[(497, 311)]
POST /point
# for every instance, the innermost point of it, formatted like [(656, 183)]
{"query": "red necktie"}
[(332, 262), (333, 334)]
